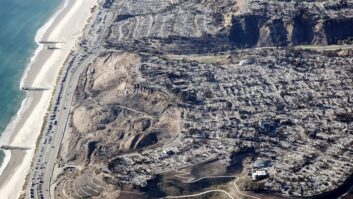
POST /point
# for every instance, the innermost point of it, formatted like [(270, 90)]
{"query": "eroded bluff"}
[(139, 120), (208, 26), (118, 112), (115, 112), (180, 103)]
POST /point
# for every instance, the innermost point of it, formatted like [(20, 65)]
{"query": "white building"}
[(259, 174)]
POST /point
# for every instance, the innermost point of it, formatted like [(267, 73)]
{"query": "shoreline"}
[(7, 134), (5, 161), (41, 34), (65, 26)]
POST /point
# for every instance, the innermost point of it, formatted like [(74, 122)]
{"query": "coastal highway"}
[(49, 144)]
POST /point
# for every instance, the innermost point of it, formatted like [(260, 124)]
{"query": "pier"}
[(8, 147), (49, 42), (34, 89)]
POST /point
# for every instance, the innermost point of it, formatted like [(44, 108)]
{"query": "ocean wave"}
[(40, 36), (5, 138)]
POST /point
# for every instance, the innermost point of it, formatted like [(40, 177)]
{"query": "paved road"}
[(51, 140), (217, 190), (49, 145), (202, 193), (243, 194), (329, 47)]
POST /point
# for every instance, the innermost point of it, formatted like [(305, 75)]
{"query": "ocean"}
[(19, 22)]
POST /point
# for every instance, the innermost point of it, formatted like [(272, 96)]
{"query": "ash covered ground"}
[(200, 95)]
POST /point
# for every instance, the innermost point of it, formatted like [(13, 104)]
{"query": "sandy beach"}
[(66, 28)]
